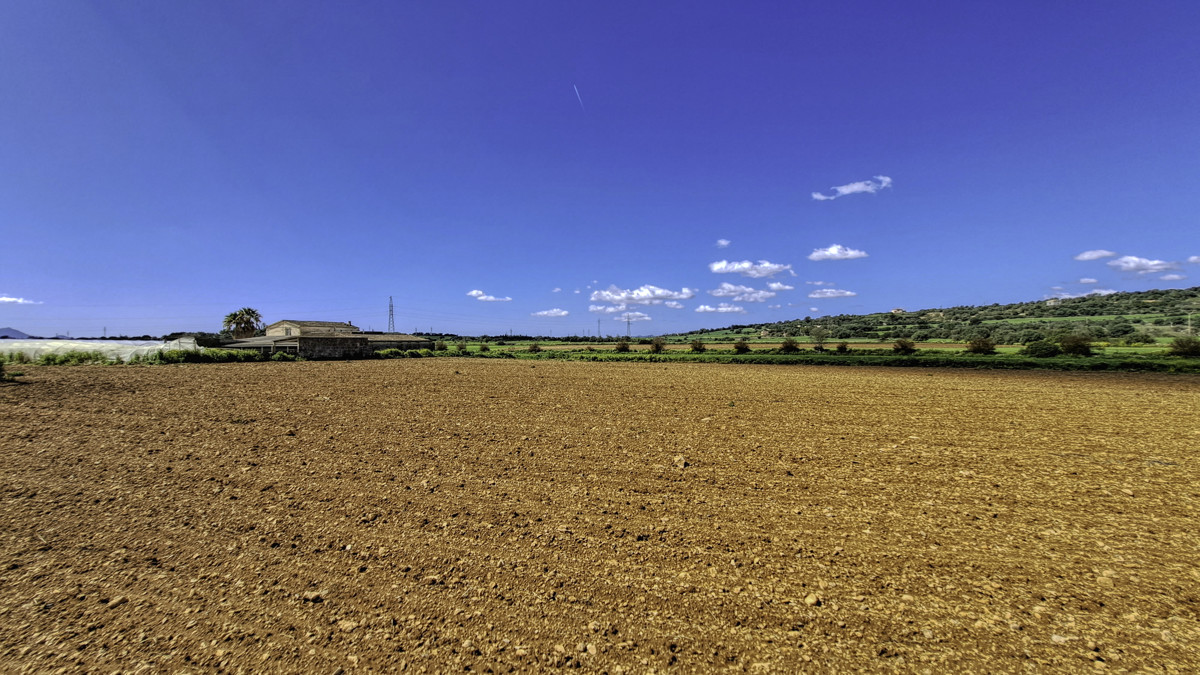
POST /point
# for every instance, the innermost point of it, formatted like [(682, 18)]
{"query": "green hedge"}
[(73, 358), (193, 356)]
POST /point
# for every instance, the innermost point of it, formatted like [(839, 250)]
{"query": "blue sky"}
[(548, 167)]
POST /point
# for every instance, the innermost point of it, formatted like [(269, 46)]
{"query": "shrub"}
[(534, 348), (72, 358), (741, 347), (1140, 338), (621, 346), (842, 348), (461, 346), (1041, 349), (818, 335), (698, 346), (412, 354), (1184, 346), (789, 346), (1075, 345), (483, 347), (439, 346), (391, 353), (284, 356), (904, 346), (981, 345), (221, 356), (657, 345)]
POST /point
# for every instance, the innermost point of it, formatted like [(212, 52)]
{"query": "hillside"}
[(1142, 316)]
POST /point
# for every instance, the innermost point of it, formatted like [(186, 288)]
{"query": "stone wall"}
[(333, 347)]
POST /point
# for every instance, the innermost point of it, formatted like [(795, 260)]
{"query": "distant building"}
[(898, 310), (326, 340)]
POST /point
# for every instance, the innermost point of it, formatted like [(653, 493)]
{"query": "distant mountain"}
[(12, 334)]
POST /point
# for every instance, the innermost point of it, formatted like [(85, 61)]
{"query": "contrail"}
[(579, 97)]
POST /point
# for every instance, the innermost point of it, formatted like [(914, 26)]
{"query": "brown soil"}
[(464, 514)]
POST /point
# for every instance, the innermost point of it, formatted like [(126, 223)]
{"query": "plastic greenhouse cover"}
[(113, 349)]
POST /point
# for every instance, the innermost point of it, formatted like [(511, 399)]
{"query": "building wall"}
[(282, 329), (333, 347)]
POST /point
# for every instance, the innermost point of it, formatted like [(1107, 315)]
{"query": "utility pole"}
[(628, 326), (597, 329), (391, 316)]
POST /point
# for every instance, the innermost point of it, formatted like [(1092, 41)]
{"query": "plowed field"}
[(494, 515)]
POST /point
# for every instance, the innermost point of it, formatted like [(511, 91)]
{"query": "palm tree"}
[(243, 322)]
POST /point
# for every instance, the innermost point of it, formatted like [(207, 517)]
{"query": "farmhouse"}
[(326, 340)]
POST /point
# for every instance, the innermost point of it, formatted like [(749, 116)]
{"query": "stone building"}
[(326, 340)]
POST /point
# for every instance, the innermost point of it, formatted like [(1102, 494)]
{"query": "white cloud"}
[(868, 186), (607, 309), (836, 252), (556, 290), (1173, 277), (673, 304), (1067, 296), (723, 243), (632, 316), (831, 293), (723, 308), (820, 283), (551, 312), (774, 306), (17, 301), (814, 309), (746, 268), (1132, 263), (646, 295), (779, 286), (1088, 280), (1194, 259), (1095, 254), (741, 293), (484, 297)]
